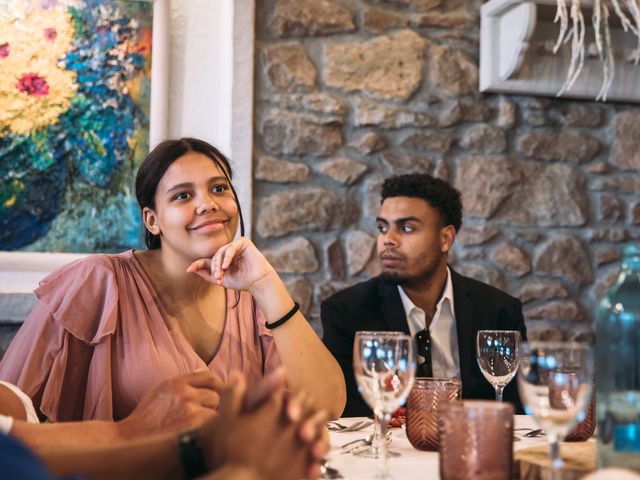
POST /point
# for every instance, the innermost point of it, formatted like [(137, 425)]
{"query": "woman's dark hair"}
[(155, 165), (437, 193)]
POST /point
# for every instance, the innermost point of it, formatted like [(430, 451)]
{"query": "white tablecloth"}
[(412, 464)]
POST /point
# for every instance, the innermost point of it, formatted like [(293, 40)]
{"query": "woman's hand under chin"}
[(238, 265)]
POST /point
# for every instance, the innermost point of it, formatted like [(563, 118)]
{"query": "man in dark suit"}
[(419, 294)]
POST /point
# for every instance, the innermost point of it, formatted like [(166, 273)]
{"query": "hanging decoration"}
[(572, 29)]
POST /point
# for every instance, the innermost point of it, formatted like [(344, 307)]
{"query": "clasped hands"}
[(265, 427)]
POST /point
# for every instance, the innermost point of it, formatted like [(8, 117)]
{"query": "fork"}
[(354, 427)]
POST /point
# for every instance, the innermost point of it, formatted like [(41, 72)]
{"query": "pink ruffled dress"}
[(99, 338)]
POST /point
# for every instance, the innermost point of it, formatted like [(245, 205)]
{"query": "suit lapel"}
[(465, 326), (393, 313)]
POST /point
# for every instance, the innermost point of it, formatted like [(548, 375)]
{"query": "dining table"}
[(412, 463)]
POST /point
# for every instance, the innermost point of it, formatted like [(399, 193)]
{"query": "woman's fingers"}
[(202, 268)]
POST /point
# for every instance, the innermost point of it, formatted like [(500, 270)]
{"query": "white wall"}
[(201, 70)]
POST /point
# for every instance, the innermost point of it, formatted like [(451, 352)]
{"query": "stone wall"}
[(350, 91)]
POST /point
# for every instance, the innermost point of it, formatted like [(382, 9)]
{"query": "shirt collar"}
[(447, 295)]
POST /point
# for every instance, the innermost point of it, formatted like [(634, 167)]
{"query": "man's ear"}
[(447, 237), (150, 221)]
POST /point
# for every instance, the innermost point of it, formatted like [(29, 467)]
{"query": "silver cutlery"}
[(535, 433), (334, 426), (328, 472), (360, 442)]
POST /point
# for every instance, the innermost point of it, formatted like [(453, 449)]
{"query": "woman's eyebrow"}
[(184, 185), (179, 186)]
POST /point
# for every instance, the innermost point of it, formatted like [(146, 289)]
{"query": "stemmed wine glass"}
[(555, 387), (384, 365), (497, 353)]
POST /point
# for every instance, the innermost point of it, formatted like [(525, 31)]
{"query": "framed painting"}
[(83, 95)]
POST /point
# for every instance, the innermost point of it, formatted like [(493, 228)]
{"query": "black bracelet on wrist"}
[(287, 316), (191, 455)]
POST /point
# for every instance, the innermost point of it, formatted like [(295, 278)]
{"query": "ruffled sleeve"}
[(61, 356)]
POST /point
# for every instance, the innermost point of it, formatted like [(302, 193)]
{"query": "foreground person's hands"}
[(177, 404), (280, 438)]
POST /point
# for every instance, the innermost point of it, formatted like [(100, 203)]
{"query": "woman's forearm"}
[(96, 449), (309, 365)]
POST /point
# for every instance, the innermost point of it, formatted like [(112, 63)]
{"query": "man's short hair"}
[(437, 193)]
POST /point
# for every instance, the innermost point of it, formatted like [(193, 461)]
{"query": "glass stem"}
[(499, 390), (382, 419), (554, 456)]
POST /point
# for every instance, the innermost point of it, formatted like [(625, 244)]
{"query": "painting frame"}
[(21, 271)]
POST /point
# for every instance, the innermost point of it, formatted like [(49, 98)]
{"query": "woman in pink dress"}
[(108, 328)]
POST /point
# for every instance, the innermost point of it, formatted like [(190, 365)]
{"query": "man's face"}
[(412, 243)]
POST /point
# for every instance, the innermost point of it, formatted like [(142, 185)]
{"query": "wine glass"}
[(497, 353), (373, 449), (384, 366), (555, 387)]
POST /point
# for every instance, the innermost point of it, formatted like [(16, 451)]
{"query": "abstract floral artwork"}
[(75, 80)]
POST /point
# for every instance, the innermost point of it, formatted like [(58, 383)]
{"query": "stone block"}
[(378, 20), (314, 102), (431, 140), (360, 246), (335, 263), (304, 209), (274, 170), (452, 72), (375, 114), (482, 273), (473, 235), (610, 209), (287, 133), (605, 255), (288, 67), (301, 291), (484, 139), (399, 163), (294, 256), (300, 18), (557, 310), (536, 289), (343, 170), (523, 193), (368, 143), (507, 113), (565, 146), (626, 145), (564, 257), (579, 115), (511, 258), (388, 67)]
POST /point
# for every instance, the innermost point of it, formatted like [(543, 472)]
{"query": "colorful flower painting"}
[(75, 82)]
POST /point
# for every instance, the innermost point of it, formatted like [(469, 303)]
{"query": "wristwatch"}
[(191, 455)]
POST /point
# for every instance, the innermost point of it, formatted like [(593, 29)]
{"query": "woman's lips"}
[(208, 227)]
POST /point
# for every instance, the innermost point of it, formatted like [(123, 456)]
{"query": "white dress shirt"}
[(444, 336)]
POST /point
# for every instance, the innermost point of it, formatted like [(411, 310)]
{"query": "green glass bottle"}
[(618, 368)]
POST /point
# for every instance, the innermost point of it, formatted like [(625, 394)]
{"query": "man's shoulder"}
[(481, 289), (355, 293)]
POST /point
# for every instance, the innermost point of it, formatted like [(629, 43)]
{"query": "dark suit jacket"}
[(376, 305)]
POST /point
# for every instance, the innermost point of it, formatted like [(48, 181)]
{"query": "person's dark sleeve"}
[(516, 323), (339, 341)]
